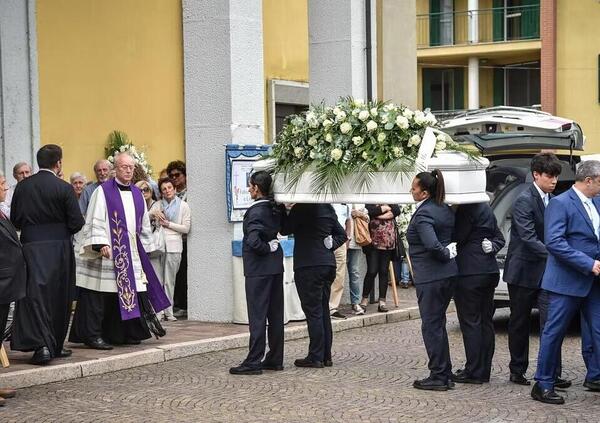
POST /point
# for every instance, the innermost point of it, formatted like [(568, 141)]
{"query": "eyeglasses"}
[(146, 189), (175, 175)]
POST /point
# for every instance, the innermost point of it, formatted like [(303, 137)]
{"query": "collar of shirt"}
[(585, 200), (542, 193), (420, 203), (48, 170)]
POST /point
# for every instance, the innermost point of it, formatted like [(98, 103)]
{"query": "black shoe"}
[(592, 385), (336, 315), (41, 356), (562, 383), (547, 396), (429, 384), (519, 379), (268, 366), (450, 384), (382, 308), (404, 285), (304, 362), (245, 370), (462, 377), (65, 353), (328, 363), (98, 344)]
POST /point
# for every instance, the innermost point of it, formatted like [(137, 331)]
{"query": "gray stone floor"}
[(370, 382)]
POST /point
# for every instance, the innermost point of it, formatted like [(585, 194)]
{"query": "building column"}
[(473, 83), (19, 93), (548, 55), (224, 103), (473, 7)]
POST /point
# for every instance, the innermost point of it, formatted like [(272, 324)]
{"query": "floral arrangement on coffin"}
[(403, 219), (353, 139), (118, 142)]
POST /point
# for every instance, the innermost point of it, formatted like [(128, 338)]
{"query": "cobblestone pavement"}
[(370, 382)]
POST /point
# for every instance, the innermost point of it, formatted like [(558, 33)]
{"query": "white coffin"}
[(464, 178)]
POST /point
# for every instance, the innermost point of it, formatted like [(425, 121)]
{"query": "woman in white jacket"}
[(173, 215)]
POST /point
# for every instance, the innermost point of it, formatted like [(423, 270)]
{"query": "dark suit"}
[(572, 287), (523, 271), (429, 232), (13, 272), (314, 269), (46, 211), (264, 283), (478, 276)]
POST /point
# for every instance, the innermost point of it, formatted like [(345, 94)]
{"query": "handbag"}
[(362, 236), (159, 241), (399, 251)]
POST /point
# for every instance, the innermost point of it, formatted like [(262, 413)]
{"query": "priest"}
[(119, 290), (44, 208)]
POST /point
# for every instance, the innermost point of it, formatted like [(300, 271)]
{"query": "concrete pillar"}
[(224, 103), (19, 105), (337, 58), (473, 83), (548, 55), (473, 8)]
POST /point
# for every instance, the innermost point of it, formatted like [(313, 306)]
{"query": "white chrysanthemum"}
[(336, 154), (312, 154), (371, 125), (340, 116), (365, 155), (298, 151), (336, 110), (328, 137), (345, 127), (327, 123), (398, 152), (381, 137), (440, 145), (402, 122), (363, 115), (357, 140), (312, 141)]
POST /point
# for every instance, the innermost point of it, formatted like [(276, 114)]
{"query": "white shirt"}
[(590, 208), (341, 211), (545, 196), (419, 203)]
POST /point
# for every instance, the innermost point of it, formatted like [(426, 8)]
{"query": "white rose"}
[(345, 127), (336, 110), (420, 118), (414, 140), (402, 122), (374, 111), (327, 123), (430, 118), (381, 137), (385, 119), (312, 154), (328, 137), (397, 152), (298, 152), (371, 125), (355, 112), (336, 154), (365, 155), (312, 141), (389, 106), (363, 115), (407, 113), (357, 140), (440, 145), (340, 116), (358, 102)]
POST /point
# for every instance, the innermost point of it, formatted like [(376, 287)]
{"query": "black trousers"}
[(4, 310), (98, 315), (314, 287), (180, 294), (433, 298), (522, 301), (378, 262), (474, 299), (264, 297)]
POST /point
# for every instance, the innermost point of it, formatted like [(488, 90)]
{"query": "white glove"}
[(274, 245), (328, 242), (452, 250), (486, 246)]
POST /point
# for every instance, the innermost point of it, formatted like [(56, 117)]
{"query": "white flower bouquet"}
[(118, 142)]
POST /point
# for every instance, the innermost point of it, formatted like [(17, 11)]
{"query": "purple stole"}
[(121, 254)]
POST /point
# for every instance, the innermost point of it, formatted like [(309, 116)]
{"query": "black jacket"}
[(474, 222), (261, 224), (429, 232), (526, 256), (13, 272), (311, 224), (44, 207)]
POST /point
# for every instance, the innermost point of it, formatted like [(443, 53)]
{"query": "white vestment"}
[(95, 272)]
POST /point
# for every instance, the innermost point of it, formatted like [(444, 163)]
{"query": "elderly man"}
[(572, 233), (102, 169), (45, 210), (21, 171), (120, 291)]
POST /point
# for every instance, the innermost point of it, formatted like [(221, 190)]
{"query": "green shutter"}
[(434, 22), (427, 76), (498, 87), (459, 89), (498, 20), (530, 19)]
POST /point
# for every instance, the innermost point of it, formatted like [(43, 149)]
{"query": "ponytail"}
[(433, 183)]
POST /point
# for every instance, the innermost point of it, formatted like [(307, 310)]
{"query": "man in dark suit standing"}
[(572, 232), (45, 210), (13, 274), (526, 261)]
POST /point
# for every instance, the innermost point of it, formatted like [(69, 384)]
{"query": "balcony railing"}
[(478, 26)]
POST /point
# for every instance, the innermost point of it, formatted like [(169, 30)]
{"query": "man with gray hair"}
[(571, 279), (21, 171), (102, 169)]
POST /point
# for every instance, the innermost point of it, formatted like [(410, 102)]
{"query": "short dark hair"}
[(163, 181), (176, 165), (546, 163), (48, 156)]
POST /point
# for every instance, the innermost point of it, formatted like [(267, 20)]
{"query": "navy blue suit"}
[(429, 232), (478, 276), (573, 246)]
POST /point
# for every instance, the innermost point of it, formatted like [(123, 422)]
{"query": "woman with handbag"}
[(380, 252), (172, 216)]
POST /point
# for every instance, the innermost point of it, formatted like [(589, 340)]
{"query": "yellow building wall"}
[(111, 64), (577, 51), (285, 45)]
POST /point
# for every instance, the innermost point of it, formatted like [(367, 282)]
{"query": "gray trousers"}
[(166, 267)]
